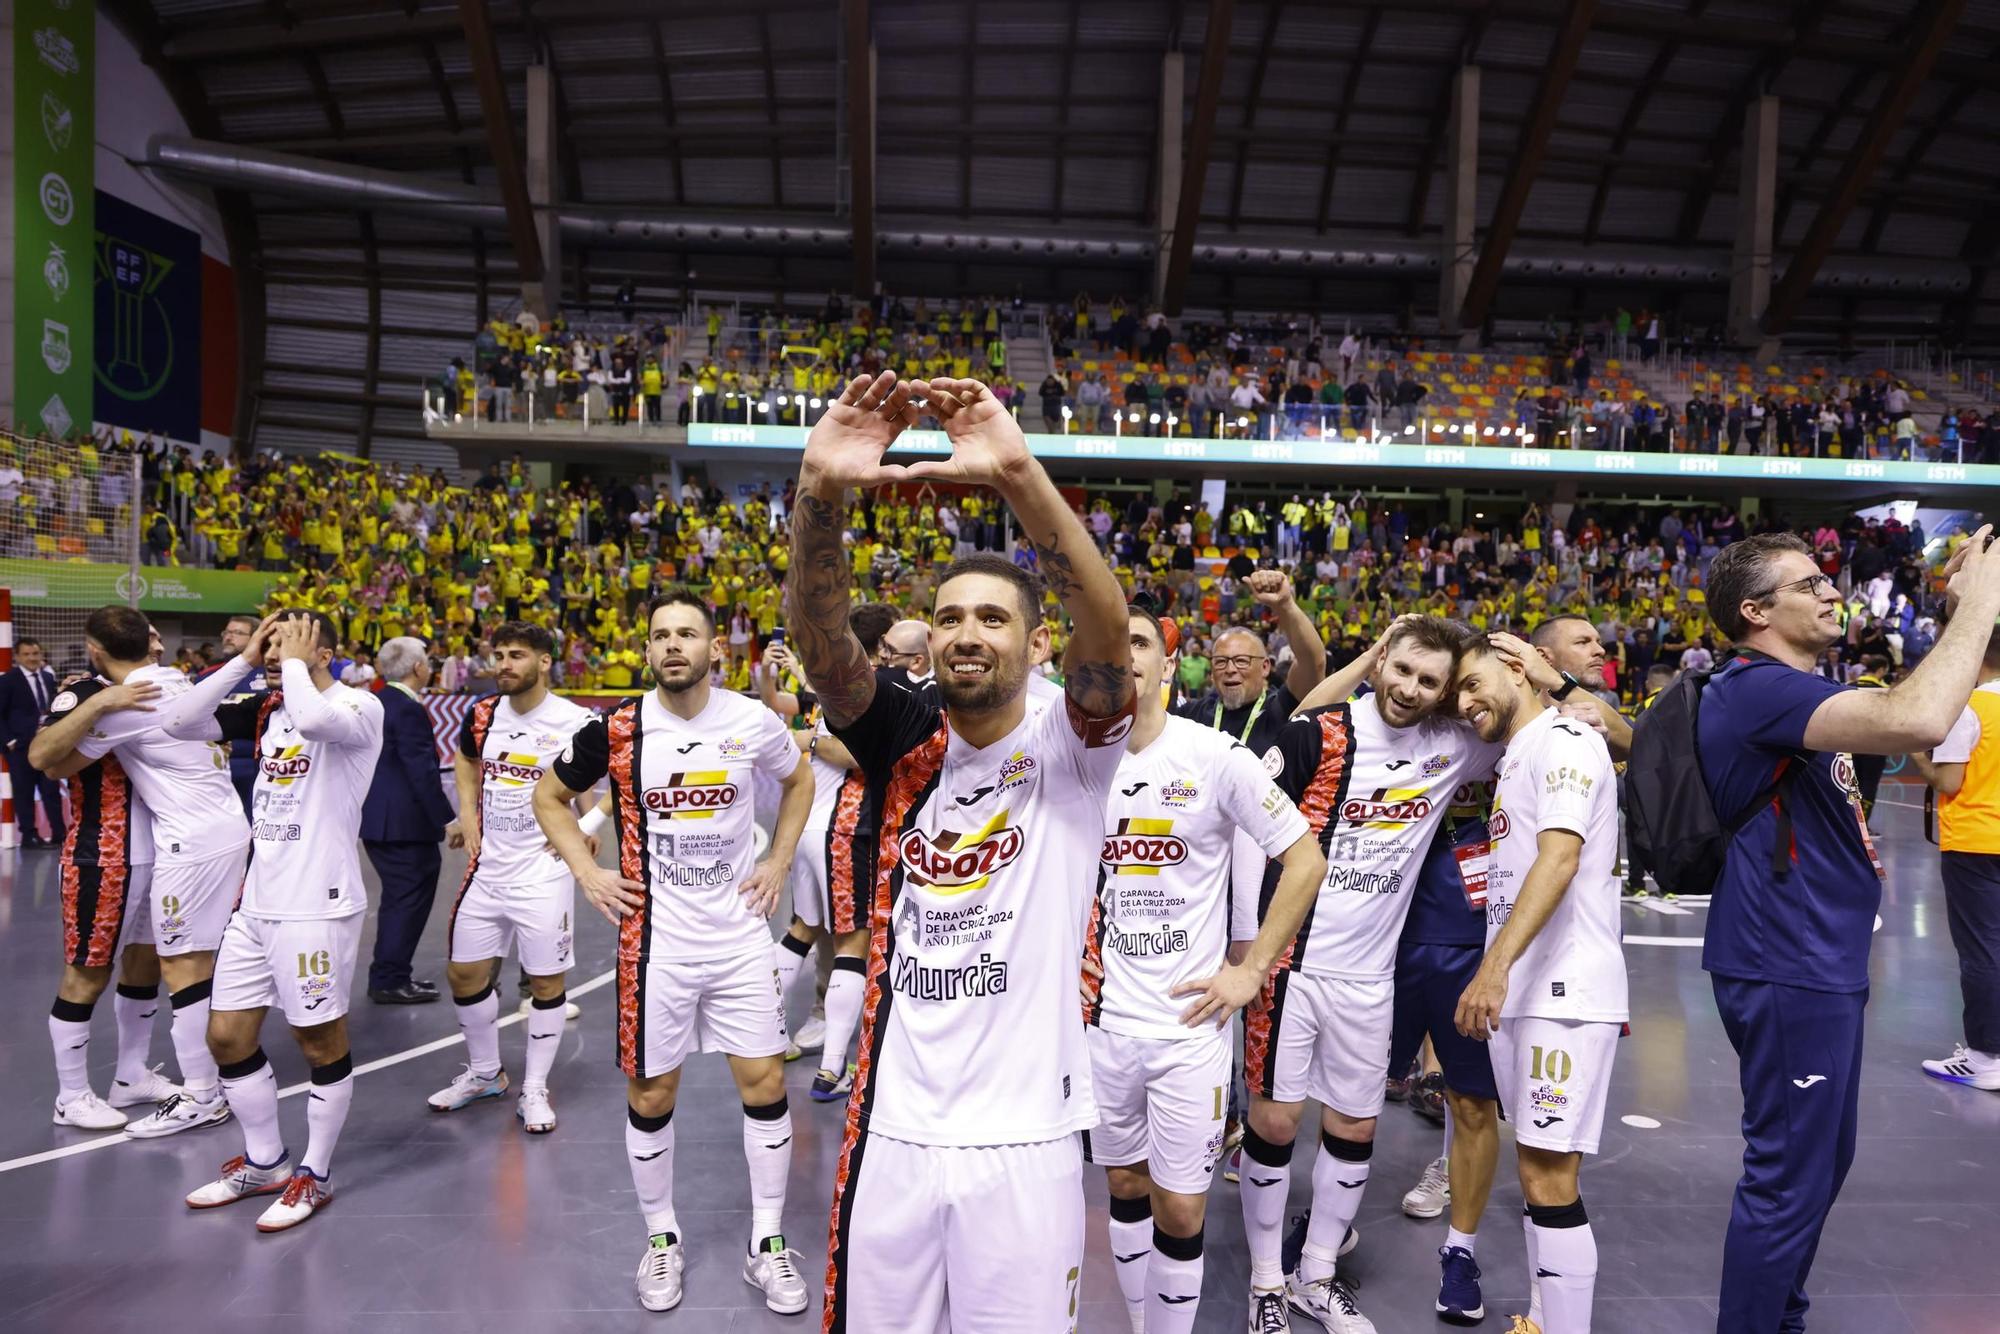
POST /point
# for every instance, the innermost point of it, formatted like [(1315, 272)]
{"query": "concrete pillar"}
[(544, 173), (1173, 89), (1461, 198), (8, 266), (1756, 209)]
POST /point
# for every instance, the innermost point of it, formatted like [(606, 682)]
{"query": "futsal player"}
[(691, 906)]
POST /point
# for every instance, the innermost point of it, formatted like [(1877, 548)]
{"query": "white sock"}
[(326, 1113), (790, 953), (767, 1147), (1132, 1252), (1267, 1182), (845, 991), (1534, 1267), (190, 1029), (479, 1021), (71, 1040), (1173, 1283), (1469, 1241), (135, 1011), (1566, 1260), (252, 1090), (545, 1030), (650, 1149), (1337, 1187)]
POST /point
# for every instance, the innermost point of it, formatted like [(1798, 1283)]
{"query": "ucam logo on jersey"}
[(694, 795), (1142, 847), (1388, 807), (514, 770), (949, 862), (285, 765)]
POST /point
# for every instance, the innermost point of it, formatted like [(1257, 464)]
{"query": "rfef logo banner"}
[(148, 308), (54, 141)]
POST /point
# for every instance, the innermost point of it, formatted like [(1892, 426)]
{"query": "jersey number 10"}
[(1552, 1065)]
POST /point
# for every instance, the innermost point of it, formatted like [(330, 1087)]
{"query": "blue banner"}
[(148, 316)]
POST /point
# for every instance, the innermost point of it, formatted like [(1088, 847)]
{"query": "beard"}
[(528, 679), (997, 688), (1239, 695), (683, 676)]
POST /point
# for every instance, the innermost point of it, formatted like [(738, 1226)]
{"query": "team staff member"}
[(1965, 770), (242, 755), (1795, 904), (403, 821), (1243, 703)]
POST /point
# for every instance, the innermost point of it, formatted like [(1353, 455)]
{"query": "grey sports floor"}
[(464, 1223)]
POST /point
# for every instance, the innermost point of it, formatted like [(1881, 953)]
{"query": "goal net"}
[(70, 517)]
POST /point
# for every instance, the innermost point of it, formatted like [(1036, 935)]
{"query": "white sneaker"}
[(538, 1116), (180, 1112), (1965, 1066), (1268, 1314), (1330, 1301), (776, 1271), (659, 1280), (149, 1087), (1432, 1193), (792, 1049), (571, 1010), (239, 1180), (87, 1111), (305, 1195), (467, 1089), (812, 1035)]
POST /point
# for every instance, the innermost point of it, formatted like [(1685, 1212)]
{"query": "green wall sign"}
[(55, 87)]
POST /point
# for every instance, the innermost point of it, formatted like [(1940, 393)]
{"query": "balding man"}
[(906, 646), (403, 820), (1243, 702)]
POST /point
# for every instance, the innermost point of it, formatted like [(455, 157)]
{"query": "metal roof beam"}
[(1063, 87), (476, 21), (1362, 51), (1194, 174), (1908, 75), (859, 49), (1541, 122), (1247, 120)]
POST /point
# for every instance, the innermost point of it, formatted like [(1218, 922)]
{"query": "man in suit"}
[(402, 823), (25, 693)]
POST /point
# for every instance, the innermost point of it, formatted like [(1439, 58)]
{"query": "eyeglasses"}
[(1237, 664), (1811, 586)]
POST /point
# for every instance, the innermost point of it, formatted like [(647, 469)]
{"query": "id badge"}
[(1472, 864)]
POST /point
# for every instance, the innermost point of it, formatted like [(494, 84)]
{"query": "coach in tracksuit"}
[(1793, 912)]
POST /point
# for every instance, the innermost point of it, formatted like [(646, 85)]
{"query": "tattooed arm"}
[(989, 449), (844, 450)]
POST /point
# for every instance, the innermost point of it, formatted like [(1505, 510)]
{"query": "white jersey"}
[(682, 803), (1374, 795), (972, 1032), (512, 750), (1042, 692), (316, 753), (1162, 911), (827, 781), (1557, 774), (185, 784)]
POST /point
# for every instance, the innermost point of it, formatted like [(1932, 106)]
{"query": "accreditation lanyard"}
[(1256, 711)]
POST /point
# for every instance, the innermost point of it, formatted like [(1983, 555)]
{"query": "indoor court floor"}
[(462, 1223)]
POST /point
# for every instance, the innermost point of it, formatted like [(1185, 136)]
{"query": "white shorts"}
[(670, 1009), (534, 918), (304, 968), (1554, 1076), (1325, 1038), (192, 902), (809, 879), (1160, 1101), (937, 1240)]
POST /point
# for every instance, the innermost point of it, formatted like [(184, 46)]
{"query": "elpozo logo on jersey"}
[(949, 862), (694, 795), (286, 765), (514, 770), (1179, 793), (1388, 808), (732, 748), (1142, 847), (1018, 771)]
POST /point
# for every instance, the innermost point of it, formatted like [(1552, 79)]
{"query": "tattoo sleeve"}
[(818, 590)]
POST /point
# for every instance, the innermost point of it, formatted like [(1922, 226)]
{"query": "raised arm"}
[(1341, 685), (54, 752), (844, 451), (1274, 589), (191, 717), (1614, 726), (988, 449), (317, 718)]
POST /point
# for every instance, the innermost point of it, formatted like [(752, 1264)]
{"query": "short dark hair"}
[(1663, 673), (999, 567), (1742, 573), (122, 632), (1993, 648), (1874, 662), (869, 622), (329, 634), (25, 642), (678, 595), (533, 637), (1544, 634), (1431, 634), (245, 617), (1152, 618)]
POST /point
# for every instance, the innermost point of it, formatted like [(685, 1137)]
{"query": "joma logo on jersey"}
[(286, 766), (692, 796), (514, 770), (1142, 847), (949, 862), (1389, 806)]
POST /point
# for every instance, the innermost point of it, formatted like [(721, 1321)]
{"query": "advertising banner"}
[(148, 296), (54, 150), (37, 583)]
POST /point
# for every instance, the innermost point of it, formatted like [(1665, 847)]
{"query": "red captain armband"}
[(1099, 732)]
